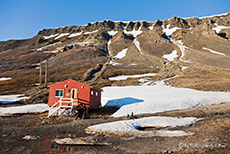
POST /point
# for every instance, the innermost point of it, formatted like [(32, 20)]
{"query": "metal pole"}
[(40, 74)]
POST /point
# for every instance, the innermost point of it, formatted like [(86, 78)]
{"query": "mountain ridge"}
[(199, 46)]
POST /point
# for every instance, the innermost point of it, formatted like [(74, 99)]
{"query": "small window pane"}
[(56, 92), (96, 93), (59, 93), (91, 92)]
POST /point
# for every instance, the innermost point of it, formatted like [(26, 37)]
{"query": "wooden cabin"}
[(74, 95)]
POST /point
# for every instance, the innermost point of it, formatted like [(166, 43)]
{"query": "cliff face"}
[(186, 47)]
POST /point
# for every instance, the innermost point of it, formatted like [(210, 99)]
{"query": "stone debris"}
[(90, 140)]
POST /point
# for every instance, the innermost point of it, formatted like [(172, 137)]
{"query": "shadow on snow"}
[(123, 101)]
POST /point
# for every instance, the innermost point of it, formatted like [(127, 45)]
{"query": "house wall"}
[(84, 93), (95, 98)]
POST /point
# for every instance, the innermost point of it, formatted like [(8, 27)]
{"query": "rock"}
[(29, 137), (91, 72), (90, 140)]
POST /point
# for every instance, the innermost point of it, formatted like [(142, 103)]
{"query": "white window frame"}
[(59, 92)]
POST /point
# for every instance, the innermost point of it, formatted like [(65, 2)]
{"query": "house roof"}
[(74, 81)]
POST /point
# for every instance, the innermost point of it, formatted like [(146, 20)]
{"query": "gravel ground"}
[(211, 134)]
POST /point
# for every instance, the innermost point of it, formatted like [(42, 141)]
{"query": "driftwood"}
[(90, 140)]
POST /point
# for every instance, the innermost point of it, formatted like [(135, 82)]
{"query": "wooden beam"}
[(40, 75), (46, 72)]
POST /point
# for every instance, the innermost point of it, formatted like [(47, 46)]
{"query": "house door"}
[(74, 96)]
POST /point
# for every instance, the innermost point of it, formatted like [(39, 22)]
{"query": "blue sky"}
[(21, 19)]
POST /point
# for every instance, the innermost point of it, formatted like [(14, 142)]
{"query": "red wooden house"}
[(73, 95)]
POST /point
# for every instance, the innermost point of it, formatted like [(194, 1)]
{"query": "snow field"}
[(131, 126), (157, 98), (33, 108), (153, 99)]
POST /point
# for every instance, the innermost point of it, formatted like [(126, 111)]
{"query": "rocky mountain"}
[(191, 52)]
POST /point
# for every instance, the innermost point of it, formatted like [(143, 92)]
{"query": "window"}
[(96, 93), (59, 93), (91, 92)]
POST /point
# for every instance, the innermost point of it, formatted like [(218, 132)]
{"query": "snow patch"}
[(218, 15), (215, 52), (151, 27), (5, 99), (183, 67), (114, 63), (125, 77), (182, 49), (137, 44), (112, 32), (61, 35), (132, 64), (131, 126), (168, 31), (33, 108), (40, 49), (91, 32), (121, 54), (219, 28), (134, 32), (50, 51), (75, 34), (170, 57), (29, 137), (51, 36), (4, 79), (144, 80), (109, 52)]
